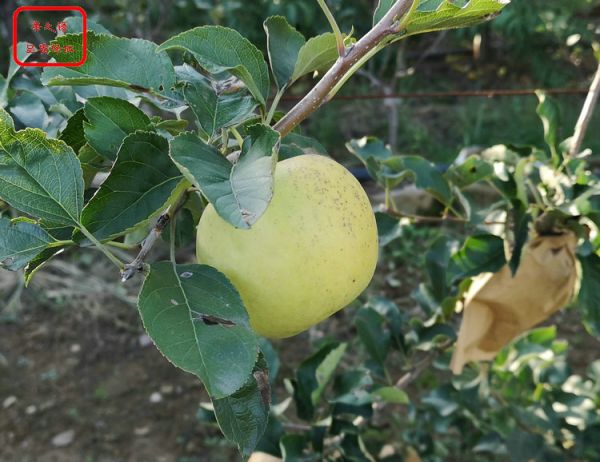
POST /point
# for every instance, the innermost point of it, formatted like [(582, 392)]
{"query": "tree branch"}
[(344, 67), (138, 265), (586, 115)]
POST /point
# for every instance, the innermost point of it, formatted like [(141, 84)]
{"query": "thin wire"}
[(493, 93)]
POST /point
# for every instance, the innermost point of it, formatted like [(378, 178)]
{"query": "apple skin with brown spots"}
[(312, 253)]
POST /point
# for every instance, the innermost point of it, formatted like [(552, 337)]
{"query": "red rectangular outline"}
[(50, 8)]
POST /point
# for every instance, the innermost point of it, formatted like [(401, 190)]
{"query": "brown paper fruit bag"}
[(499, 307)]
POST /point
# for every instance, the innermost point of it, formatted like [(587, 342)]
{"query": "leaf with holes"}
[(39, 176), (197, 320), (472, 170), (109, 121), (219, 49), (20, 242), (139, 186), (240, 192)]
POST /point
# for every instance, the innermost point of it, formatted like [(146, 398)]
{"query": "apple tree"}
[(100, 172)]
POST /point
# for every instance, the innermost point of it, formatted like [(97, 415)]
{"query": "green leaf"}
[(185, 230), (472, 170), (240, 192), (370, 326), (39, 176), (197, 320), (481, 253), (436, 264), (243, 416), (73, 133), (295, 144), (441, 400), (435, 15), (20, 242), (426, 175), (294, 448), (549, 114), (13, 67), (369, 147), (388, 228), (521, 220), (383, 6), (109, 121), (30, 111), (74, 24), (39, 261), (392, 395), (313, 375), (91, 163), (130, 63), (215, 111), (317, 55), (219, 49), (139, 186), (589, 293), (171, 126), (283, 44)]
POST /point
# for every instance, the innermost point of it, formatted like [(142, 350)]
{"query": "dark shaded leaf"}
[(436, 264), (313, 375), (589, 293), (283, 44), (370, 327), (239, 57), (73, 133), (480, 253), (243, 416), (109, 121)]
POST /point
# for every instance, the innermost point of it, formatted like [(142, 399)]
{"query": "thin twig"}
[(586, 115), (431, 219), (138, 265), (343, 67)]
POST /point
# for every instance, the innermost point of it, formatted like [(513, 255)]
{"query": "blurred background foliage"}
[(533, 44)]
